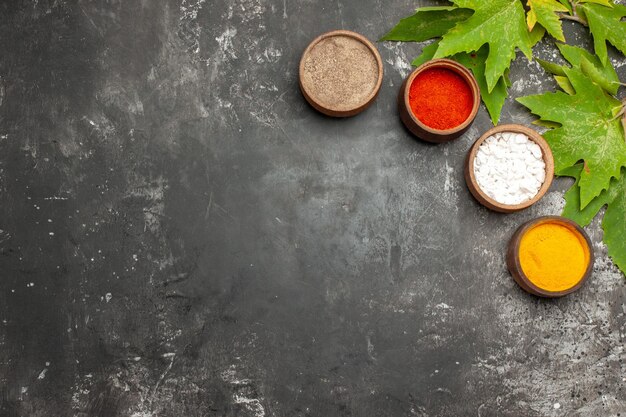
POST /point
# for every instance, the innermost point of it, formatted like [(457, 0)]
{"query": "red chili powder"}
[(440, 98)]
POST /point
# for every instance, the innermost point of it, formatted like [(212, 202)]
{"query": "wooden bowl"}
[(419, 129), (489, 202), (513, 262), (351, 105)]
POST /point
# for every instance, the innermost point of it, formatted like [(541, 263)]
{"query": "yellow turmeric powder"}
[(553, 256)]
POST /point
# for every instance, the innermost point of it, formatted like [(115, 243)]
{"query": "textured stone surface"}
[(182, 235)]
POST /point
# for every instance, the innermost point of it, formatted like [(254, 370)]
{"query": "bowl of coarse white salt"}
[(509, 168)]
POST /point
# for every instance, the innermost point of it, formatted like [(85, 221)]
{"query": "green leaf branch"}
[(585, 121), (490, 33), (587, 133)]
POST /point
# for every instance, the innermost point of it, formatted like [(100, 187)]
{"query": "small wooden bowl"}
[(489, 202), (419, 129), (307, 87), (513, 262)]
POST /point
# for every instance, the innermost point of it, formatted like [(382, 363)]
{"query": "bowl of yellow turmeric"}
[(550, 256)]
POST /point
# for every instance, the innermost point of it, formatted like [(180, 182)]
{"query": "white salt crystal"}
[(509, 168), (535, 150)]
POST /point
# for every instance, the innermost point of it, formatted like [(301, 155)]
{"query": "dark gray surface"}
[(182, 235)]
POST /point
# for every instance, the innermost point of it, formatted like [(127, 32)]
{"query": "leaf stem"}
[(574, 17), (622, 114), (574, 14)]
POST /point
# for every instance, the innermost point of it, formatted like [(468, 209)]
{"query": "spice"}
[(340, 73), (553, 256), (509, 168), (440, 98)]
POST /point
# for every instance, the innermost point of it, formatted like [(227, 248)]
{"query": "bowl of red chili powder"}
[(439, 100)]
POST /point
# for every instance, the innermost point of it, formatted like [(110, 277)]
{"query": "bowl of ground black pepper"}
[(439, 100), (340, 73)]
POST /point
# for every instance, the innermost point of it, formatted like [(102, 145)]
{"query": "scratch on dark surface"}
[(395, 258), (90, 20), (172, 357), (176, 294), (1, 91), (176, 278), (207, 213)]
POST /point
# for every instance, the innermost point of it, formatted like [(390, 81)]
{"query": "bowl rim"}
[(362, 105), (515, 267), (468, 77), (548, 159)]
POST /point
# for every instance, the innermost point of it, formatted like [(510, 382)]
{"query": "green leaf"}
[(499, 23), (615, 227), (435, 8), (427, 23), (544, 12), (589, 132), (572, 208), (603, 75), (567, 5), (546, 123), (536, 34), (551, 67), (494, 99), (427, 54), (606, 3), (605, 24), (598, 77), (613, 222), (565, 85)]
